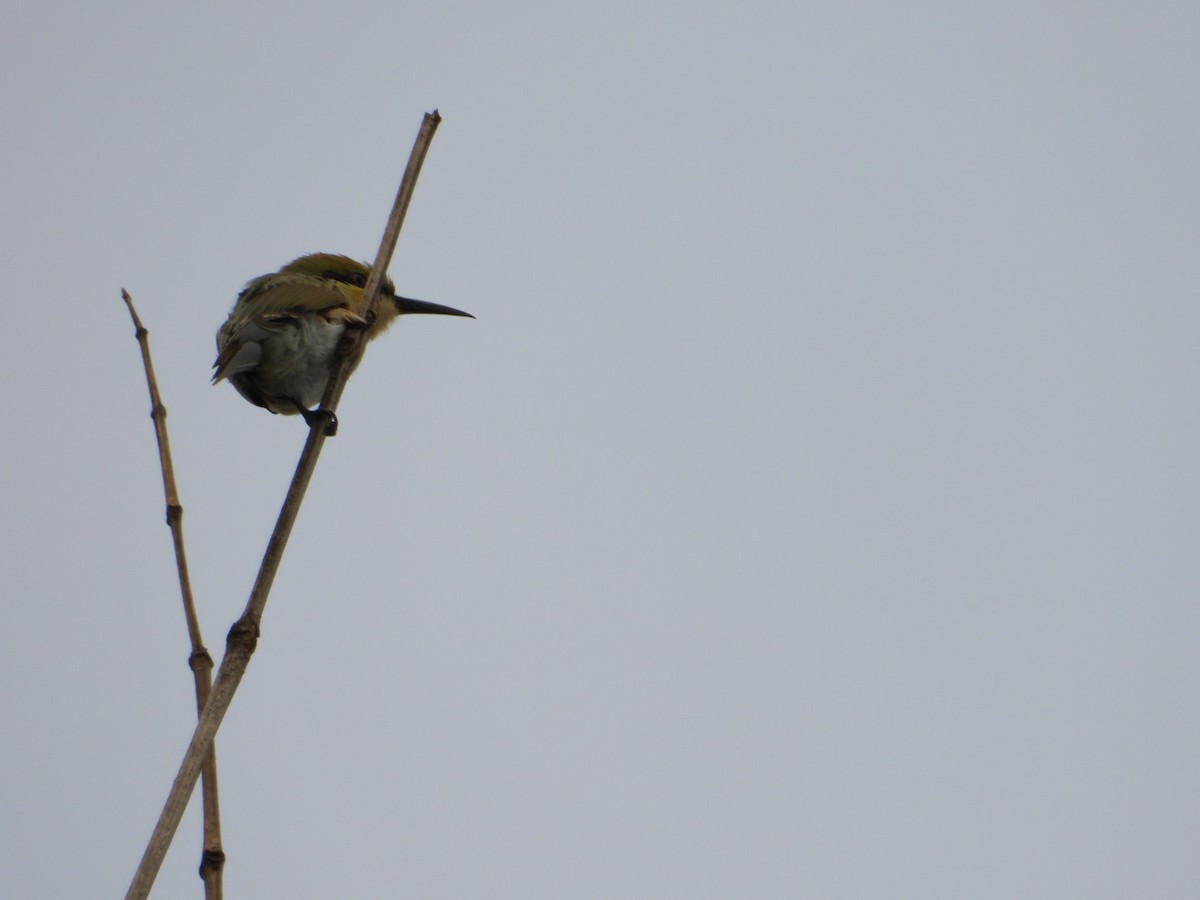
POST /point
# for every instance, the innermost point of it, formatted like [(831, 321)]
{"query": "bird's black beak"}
[(405, 305)]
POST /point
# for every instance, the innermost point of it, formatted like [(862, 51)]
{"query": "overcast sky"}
[(811, 511)]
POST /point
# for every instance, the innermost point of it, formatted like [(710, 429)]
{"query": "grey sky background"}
[(811, 511)]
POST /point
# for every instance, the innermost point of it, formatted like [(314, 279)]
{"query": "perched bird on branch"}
[(280, 342)]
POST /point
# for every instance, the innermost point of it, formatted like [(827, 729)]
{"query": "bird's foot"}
[(323, 418), (351, 333)]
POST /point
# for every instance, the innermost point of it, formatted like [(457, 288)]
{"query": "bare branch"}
[(200, 662), (244, 634)]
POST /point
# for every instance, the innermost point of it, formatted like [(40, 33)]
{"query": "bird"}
[(283, 335)]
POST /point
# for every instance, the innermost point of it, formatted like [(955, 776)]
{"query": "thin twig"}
[(243, 635), (200, 662)]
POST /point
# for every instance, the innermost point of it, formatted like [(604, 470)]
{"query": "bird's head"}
[(353, 275)]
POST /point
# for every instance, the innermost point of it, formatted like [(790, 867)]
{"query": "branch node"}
[(211, 861), (243, 636), (199, 660)]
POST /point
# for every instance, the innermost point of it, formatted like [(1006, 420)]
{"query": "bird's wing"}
[(266, 304), (288, 292)]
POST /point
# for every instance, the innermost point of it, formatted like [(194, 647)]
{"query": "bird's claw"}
[(321, 418), (354, 327)]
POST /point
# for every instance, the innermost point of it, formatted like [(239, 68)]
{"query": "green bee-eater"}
[(280, 341)]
